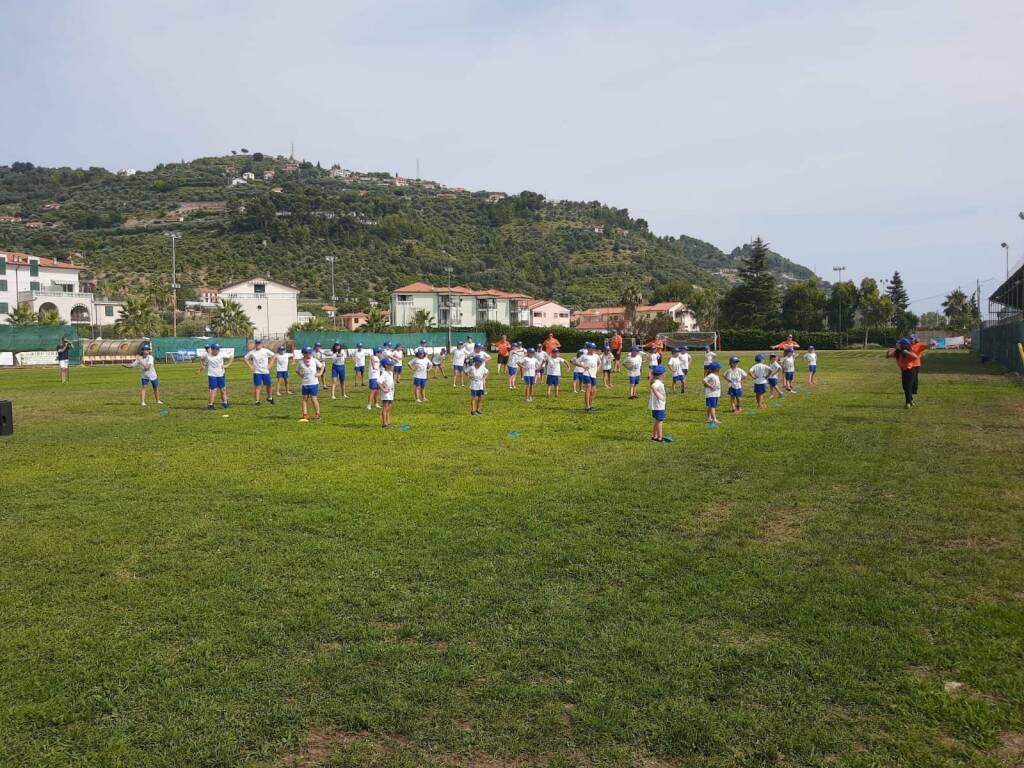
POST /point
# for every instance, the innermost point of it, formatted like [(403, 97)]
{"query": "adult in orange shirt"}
[(787, 344), (918, 347), (616, 345), (551, 342), (503, 347), (907, 360)]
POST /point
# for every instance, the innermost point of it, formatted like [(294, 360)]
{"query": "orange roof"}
[(16, 257), (662, 306), (420, 287), (354, 315)]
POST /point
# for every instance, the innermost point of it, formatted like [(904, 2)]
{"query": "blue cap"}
[(145, 346), (359, 344), (530, 349), (387, 361), (318, 344), (477, 359), (307, 350), (377, 350), (678, 349), (685, 348), (715, 364), (480, 346), (634, 348), (734, 359), (555, 349), (590, 345), (387, 343), (423, 341), (280, 348), (658, 369), (215, 345), (257, 341), (758, 357), (207, 345), (421, 351), (904, 340)]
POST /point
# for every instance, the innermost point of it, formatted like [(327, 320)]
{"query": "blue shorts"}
[(374, 384), (760, 389), (773, 382), (261, 379), (789, 375), (282, 375), (512, 370), (679, 377), (634, 379), (398, 369), (419, 382), (216, 382), (459, 368), (338, 372), (711, 402), (658, 415), (154, 382), (360, 368), (685, 371), (577, 376), (812, 368), (735, 391), (476, 393), (528, 379), (553, 380), (311, 389)]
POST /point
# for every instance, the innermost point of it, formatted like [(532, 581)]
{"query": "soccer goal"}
[(693, 339)]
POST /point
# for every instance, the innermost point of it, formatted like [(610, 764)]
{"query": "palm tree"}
[(376, 321), (137, 320), (422, 320), (631, 298), (957, 307), (21, 315), (231, 320), (49, 317)]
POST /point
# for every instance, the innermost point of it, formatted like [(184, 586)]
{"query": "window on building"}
[(3, 308), (3, 266), (538, 314), (404, 298), (33, 268), (34, 285), (259, 287), (109, 310), (3, 284)]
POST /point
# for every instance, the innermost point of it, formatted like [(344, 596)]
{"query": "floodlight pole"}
[(1006, 247), (449, 269), (174, 237), (840, 270), (334, 298)]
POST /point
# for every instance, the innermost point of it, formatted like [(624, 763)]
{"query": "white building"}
[(46, 284), (545, 314), (272, 307), (249, 176), (238, 182), (458, 306)]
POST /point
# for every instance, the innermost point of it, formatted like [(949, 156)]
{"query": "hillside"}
[(288, 216)]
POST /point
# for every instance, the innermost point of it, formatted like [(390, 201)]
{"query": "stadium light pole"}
[(174, 237), (449, 269), (334, 297), (1006, 247), (840, 270)]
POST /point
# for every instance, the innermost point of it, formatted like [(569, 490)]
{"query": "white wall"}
[(272, 313)]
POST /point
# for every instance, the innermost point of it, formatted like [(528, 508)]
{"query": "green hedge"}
[(755, 338), (570, 338)]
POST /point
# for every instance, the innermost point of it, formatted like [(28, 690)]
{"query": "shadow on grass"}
[(962, 363)]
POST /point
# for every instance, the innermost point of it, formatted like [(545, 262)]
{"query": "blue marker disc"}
[(667, 438), (712, 425), (513, 434), (404, 426), (164, 411)]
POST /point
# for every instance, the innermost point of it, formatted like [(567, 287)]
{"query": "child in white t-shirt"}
[(144, 361), (282, 360), (437, 361), (657, 402), (607, 364), (386, 385), (477, 386), (735, 376), (420, 369), (373, 379), (515, 357), (789, 367), (709, 355), (759, 372), (685, 357), (774, 369), (310, 370), (812, 365), (338, 374), (554, 369), (529, 366), (359, 358), (675, 364), (712, 390), (216, 365), (258, 359), (460, 356), (633, 364), (321, 357)]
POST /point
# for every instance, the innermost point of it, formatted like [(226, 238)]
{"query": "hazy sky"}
[(878, 135)]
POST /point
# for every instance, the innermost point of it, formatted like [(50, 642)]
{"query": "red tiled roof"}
[(353, 315), (593, 325), (16, 257), (420, 287)]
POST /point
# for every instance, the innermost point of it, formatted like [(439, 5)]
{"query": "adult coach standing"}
[(918, 347), (787, 344), (64, 359), (616, 345), (906, 358), (551, 342), (503, 347)]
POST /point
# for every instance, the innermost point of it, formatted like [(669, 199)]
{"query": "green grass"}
[(794, 588)]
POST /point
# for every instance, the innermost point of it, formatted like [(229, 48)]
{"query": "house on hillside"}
[(249, 176), (543, 313), (612, 318), (268, 175), (458, 306), (272, 306), (353, 321), (46, 284)]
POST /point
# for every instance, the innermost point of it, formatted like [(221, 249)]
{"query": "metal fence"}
[(1000, 341)]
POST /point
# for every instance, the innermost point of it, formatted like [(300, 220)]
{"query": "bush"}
[(571, 339), (757, 338)]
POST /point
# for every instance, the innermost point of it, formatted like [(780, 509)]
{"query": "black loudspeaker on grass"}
[(6, 417)]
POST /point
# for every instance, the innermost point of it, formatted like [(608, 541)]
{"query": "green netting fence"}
[(164, 345), (999, 342), (407, 340), (33, 338)]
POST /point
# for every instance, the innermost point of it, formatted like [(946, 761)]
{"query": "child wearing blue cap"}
[(607, 364), (373, 393), (420, 369), (589, 361), (735, 376), (459, 357), (577, 371), (477, 386), (812, 365), (515, 357), (759, 372), (283, 359), (258, 359), (338, 357), (788, 367), (657, 403), (529, 366), (318, 354), (437, 360), (554, 368), (147, 366), (310, 370), (712, 390), (774, 369), (633, 364), (675, 364), (359, 358), (386, 383), (216, 367)]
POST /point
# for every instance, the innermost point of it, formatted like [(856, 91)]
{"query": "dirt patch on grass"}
[(1010, 751), (782, 529)]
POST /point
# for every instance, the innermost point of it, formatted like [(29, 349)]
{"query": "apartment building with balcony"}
[(50, 285)]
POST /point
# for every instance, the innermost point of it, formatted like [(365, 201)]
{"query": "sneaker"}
[(369, 407), (209, 407), (159, 402), (143, 405), (344, 397), (257, 402), (224, 406), (334, 397), (270, 400)]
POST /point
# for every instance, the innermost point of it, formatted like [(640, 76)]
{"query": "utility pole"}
[(1006, 247), (334, 296), (174, 237), (840, 270), (449, 269)]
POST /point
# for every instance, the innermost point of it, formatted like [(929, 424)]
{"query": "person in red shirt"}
[(502, 347), (907, 360), (616, 345), (787, 344), (918, 347), (551, 342)]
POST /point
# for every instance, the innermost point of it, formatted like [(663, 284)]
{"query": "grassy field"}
[(831, 582)]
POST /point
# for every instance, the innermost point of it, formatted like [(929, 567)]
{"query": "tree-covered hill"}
[(289, 216)]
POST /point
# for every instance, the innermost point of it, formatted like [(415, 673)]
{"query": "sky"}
[(873, 135)]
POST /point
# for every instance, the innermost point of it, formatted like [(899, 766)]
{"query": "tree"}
[(649, 327), (753, 302), (422, 320), (932, 321), (631, 298), (675, 290), (49, 317), (841, 307), (705, 304), (803, 306), (230, 320), (897, 293), (21, 315), (137, 319), (875, 310), (376, 321)]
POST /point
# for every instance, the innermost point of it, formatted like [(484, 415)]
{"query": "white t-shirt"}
[(515, 358), (260, 359), (653, 359), (398, 357), (529, 365), (420, 366), (283, 360), (359, 355), (811, 358), (469, 344), (675, 364), (685, 357), (338, 358), (477, 377), (309, 371), (708, 357), (459, 356), (735, 376), (589, 365), (541, 358), (656, 402), (215, 365), (788, 364), (483, 355), (712, 385), (386, 382), (607, 361), (555, 365), (760, 373), (374, 367), (577, 364), (773, 369), (318, 354), (147, 365), (633, 363), (438, 357)]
